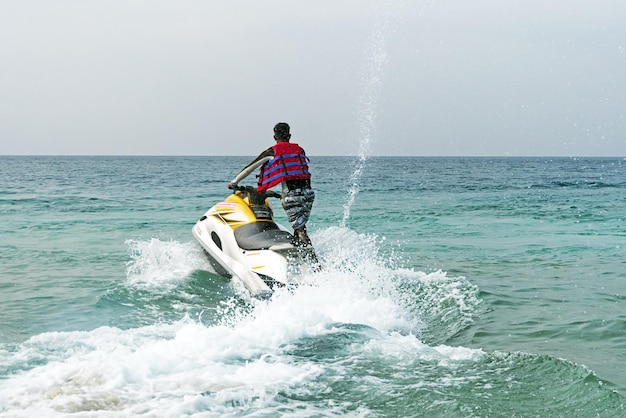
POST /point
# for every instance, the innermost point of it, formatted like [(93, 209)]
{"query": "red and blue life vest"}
[(289, 163)]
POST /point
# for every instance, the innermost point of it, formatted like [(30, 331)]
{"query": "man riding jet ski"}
[(285, 163), (240, 234)]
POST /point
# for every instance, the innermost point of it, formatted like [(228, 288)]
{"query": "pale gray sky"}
[(208, 77)]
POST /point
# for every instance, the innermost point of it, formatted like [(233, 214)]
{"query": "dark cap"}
[(281, 130)]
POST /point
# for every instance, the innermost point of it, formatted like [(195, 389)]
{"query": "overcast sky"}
[(209, 77)]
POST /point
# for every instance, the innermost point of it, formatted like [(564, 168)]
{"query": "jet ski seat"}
[(261, 236)]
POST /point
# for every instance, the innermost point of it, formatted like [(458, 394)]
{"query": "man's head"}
[(281, 132)]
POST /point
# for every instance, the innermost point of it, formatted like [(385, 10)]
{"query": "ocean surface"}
[(452, 287)]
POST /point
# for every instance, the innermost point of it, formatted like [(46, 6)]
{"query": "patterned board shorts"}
[(298, 203)]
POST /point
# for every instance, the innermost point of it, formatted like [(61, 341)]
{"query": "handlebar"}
[(254, 195)]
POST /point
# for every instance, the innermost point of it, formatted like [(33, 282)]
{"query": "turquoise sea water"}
[(452, 287)]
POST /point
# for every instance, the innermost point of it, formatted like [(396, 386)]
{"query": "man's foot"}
[(305, 242), (303, 237)]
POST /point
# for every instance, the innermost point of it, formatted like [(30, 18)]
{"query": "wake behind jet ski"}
[(243, 241)]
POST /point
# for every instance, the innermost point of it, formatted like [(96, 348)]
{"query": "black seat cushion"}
[(261, 236)]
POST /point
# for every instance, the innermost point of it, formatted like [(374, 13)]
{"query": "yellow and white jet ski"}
[(243, 241)]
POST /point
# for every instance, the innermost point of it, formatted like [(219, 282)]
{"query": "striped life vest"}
[(289, 163)]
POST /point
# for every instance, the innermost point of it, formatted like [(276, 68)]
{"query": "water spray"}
[(371, 86)]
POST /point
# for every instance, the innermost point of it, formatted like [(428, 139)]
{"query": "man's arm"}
[(264, 157)]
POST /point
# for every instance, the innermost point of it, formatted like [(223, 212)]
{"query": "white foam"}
[(187, 367), (408, 349), (157, 263), (241, 363), (109, 369)]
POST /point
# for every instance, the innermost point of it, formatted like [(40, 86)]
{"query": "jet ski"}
[(242, 240)]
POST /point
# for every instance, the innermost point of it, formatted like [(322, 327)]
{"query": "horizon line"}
[(315, 155)]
